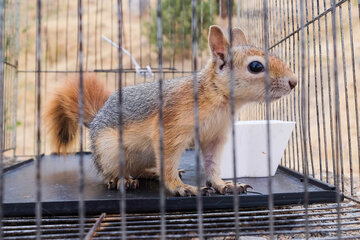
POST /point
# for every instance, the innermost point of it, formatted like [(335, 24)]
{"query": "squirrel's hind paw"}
[(185, 191), (229, 187)]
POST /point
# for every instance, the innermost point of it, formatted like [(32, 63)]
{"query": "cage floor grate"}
[(322, 222)]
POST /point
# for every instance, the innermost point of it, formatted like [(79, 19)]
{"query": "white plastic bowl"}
[(252, 150)]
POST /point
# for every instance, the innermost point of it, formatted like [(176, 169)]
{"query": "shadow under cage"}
[(314, 192)]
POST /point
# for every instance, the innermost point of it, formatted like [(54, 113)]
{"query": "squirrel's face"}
[(248, 68), (250, 76)]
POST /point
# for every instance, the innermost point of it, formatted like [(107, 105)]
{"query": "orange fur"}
[(62, 112)]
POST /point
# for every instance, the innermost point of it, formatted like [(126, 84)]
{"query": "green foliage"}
[(176, 24)]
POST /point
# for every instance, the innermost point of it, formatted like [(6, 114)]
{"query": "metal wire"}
[(121, 130), (338, 150), (38, 210), (355, 88), (81, 123), (303, 119), (1, 117), (161, 122), (267, 112), (346, 107), (199, 204), (232, 111)]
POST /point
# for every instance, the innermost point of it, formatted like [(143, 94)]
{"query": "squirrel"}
[(141, 118)]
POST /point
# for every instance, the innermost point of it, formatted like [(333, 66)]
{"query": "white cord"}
[(140, 72)]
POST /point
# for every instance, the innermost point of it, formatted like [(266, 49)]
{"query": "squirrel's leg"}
[(212, 159), (171, 155), (106, 156)]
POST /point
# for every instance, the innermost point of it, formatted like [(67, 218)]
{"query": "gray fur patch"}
[(139, 102)]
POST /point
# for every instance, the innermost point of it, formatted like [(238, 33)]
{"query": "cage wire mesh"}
[(45, 42)]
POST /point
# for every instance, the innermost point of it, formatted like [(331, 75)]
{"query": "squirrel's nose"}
[(292, 83)]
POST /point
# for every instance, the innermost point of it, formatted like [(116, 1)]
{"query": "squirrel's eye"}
[(255, 67)]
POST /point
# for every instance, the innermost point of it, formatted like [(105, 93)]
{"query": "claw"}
[(246, 187), (134, 184), (181, 172), (111, 184), (187, 193), (207, 191), (129, 183)]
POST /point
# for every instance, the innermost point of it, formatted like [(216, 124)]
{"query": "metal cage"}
[(44, 42)]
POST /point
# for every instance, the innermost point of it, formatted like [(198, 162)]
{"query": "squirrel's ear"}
[(218, 44), (239, 38)]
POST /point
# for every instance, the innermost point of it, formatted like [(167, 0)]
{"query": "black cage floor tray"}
[(60, 190)]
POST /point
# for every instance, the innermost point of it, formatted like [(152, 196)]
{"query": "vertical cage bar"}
[(322, 98), (232, 112), (67, 35), (237, 13), (140, 31), (182, 36), (201, 31), (161, 123), (211, 10), (330, 99), (337, 114), (1, 115), (355, 88), (199, 205), (57, 37), (88, 36), (288, 99), (267, 113), (96, 32), (130, 34), (46, 68), (299, 150), (101, 33), (346, 107), (81, 123), (15, 106), (303, 118), (38, 209), (220, 8), (307, 88), (25, 82), (316, 89), (293, 107), (121, 141)]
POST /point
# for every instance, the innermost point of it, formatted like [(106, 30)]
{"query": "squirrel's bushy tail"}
[(61, 114)]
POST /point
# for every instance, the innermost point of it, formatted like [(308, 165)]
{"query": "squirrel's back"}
[(138, 103)]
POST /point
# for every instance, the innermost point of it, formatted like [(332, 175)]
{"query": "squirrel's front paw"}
[(229, 187), (129, 183)]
